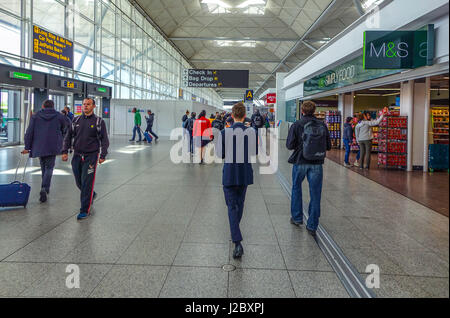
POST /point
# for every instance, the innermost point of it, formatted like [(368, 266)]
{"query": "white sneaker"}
[(356, 164), (347, 165)]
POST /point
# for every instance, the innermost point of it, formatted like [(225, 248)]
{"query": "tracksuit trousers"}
[(47, 166), (84, 168)]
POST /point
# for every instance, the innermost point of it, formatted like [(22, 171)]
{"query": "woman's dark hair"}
[(202, 114), (193, 114), (349, 119)]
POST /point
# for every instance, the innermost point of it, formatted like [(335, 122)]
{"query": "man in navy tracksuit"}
[(44, 140), (150, 119), (236, 145), (90, 144)]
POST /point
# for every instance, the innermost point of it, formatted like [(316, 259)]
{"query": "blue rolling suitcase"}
[(147, 137), (15, 193)]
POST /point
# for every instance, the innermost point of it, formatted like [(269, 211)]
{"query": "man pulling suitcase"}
[(90, 145)]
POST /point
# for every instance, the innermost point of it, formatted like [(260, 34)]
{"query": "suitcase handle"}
[(24, 169)]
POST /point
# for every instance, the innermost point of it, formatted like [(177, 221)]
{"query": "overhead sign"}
[(271, 98), (22, 76), (215, 78), (52, 48), (101, 89), (398, 49), (69, 84), (249, 95)]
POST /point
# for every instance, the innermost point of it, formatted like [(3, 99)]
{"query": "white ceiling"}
[(195, 30)]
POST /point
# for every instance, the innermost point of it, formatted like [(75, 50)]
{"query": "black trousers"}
[(150, 131), (234, 198), (47, 166), (84, 169)]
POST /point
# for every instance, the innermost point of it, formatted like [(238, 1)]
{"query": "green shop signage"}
[(346, 74), (398, 49)]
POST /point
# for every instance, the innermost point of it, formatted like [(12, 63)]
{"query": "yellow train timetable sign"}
[(52, 48)]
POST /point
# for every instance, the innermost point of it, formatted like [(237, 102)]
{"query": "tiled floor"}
[(158, 230), (161, 230), (430, 189), (375, 225)]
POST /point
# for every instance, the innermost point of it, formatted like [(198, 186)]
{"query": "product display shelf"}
[(440, 125), (392, 142), (333, 121), (375, 139)]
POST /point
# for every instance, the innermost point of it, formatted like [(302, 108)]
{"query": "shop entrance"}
[(10, 116)]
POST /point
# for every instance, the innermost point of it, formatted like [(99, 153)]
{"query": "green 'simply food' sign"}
[(346, 74), (398, 49)]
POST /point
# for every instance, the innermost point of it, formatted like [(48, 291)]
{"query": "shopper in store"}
[(137, 124), (348, 139), (150, 119), (364, 137), (201, 139), (90, 145), (310, 139), (44, 140), (237, 171)]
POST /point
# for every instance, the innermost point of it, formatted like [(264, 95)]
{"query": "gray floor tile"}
[(161, 252), (258, 283), (259, 256), (97, 251), (195, 282), (420, 263), (131, 281), (306, 257), (393, 286), (16, 277), (195, 254), (54, 283), (317, 285)]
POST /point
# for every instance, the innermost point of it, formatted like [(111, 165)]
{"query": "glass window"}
[(11, 6), (9, 34), (125, 54), (125, 75), (84, 60), (124, 92), (126, 29), (107, 68), (108, 43), (85, 7), (84, 31), (109, 20), (43, 9)]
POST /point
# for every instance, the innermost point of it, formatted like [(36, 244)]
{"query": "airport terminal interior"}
[(158, 225)]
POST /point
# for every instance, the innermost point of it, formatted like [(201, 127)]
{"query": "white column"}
[(407, 109), (427, 123), (280, 106), (418, 125)]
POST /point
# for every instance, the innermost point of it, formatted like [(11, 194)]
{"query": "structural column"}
[(407, 109), (427, 123)]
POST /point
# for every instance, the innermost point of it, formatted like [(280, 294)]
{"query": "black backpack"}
[(190, 124), (258, 121), (314, 140)]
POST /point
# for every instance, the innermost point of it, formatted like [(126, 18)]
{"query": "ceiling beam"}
[(310, 29), (231, 61), (309, 46), (359, 7), (219, 38)]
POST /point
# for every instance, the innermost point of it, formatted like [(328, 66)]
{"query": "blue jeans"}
[(314, 174), (347, 150), (138, 129)]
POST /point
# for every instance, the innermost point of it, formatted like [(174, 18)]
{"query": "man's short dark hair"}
[(349, 119), (48, 104), (202, 114), (93, 100), (238, 110), (309, 108)]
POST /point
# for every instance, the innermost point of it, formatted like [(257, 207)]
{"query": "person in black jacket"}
[(348, 139), (44, 140), (90, 145), (150, 119), (190, 129), (311, 169)]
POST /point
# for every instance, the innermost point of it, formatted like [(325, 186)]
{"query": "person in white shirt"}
[(364, 136)]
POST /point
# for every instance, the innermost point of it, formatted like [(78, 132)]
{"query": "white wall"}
[(419, 124), (168, 114)]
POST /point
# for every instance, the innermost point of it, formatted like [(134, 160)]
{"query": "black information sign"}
[(52, 48), (215, 78)]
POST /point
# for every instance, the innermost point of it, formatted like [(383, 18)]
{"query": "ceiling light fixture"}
[(249, 3)]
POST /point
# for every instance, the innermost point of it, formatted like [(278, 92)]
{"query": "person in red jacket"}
[(201, 140)]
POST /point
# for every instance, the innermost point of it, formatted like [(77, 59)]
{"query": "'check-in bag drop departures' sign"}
[(215, 78), (52, 48), (398, 49)]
